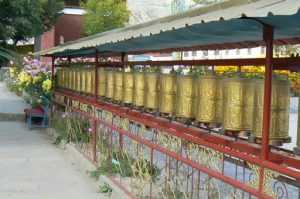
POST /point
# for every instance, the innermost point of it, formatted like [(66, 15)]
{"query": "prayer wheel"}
[(238, 96), (82, 80), (138, 89), (92, 72), (73, 72), (118, 88), (63, 78), (209, 100), (167, 94), (279, 119), (69, 78), (101, 82), (78, 80), (59, 72), (185, 96), (88, 81), (109, 92), (151, 94), (127, 87)]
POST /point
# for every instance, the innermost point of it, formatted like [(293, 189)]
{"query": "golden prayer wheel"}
[(167, 93), (101, 82), (65, 77), (63, 72), (138, 89), (82, 80), (88, 81), (73, 79), (92, 82), (78, 80), (109, 91), (238, 96), (68, 79), (185, 96), (58, 77), (209, 99), (280, 105), (118, 85), (127, 87), (151, 94)]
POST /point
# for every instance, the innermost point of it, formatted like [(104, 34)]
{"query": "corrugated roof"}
[(195, 29)]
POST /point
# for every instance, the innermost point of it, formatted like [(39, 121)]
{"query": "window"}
[(205, 53), (194, 53), (249, 51), (226, 52), (262, 50), (238, 51), (217, 52), (186, 53)]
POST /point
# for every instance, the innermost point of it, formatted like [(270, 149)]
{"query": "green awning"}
[(215, 34)]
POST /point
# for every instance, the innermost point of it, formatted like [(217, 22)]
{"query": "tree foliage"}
[(104, 15), (24, 19)]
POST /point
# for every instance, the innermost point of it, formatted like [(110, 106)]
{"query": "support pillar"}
[(95, 129), (52, 89), (268, 36), (297, 148)]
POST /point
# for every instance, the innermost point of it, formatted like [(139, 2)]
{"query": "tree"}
[(104, 15), (24, 19)]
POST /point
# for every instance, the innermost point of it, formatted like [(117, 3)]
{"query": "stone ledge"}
[(12, 117)]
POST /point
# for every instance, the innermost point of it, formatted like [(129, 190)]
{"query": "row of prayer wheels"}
[(234, 103)]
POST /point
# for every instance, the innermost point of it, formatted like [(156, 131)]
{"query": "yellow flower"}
[(36, 79), (39, 101), (47, 85)]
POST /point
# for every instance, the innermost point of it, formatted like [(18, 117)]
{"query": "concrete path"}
[(32, 168), (11, 105)]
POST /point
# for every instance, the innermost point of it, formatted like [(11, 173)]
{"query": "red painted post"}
[(95, 100), (52, 73), (52, 89), (268, 35), (121, 135)]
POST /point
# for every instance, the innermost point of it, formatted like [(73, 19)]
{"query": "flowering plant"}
[(35, 80)]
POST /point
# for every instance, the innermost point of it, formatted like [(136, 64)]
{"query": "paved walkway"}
[(32, 168), (10, 102)]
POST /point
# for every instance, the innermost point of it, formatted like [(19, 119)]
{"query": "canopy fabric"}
[(200, 32)]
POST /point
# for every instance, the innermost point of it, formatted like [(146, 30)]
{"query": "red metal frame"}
[(260, 155), (286, 63)]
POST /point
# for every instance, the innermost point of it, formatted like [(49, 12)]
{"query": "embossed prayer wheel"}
[(151, 94), (78, 80), (63, 78), (73, 72), (82, 80), (88, 82), (127, 87), (59, 72), (209, 100), (167, 88), (280, 105), (138, 89), (69, 78), (118, 86), (101, 82), (185, 96), (92, 82), (238, 97), (109, 92)]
